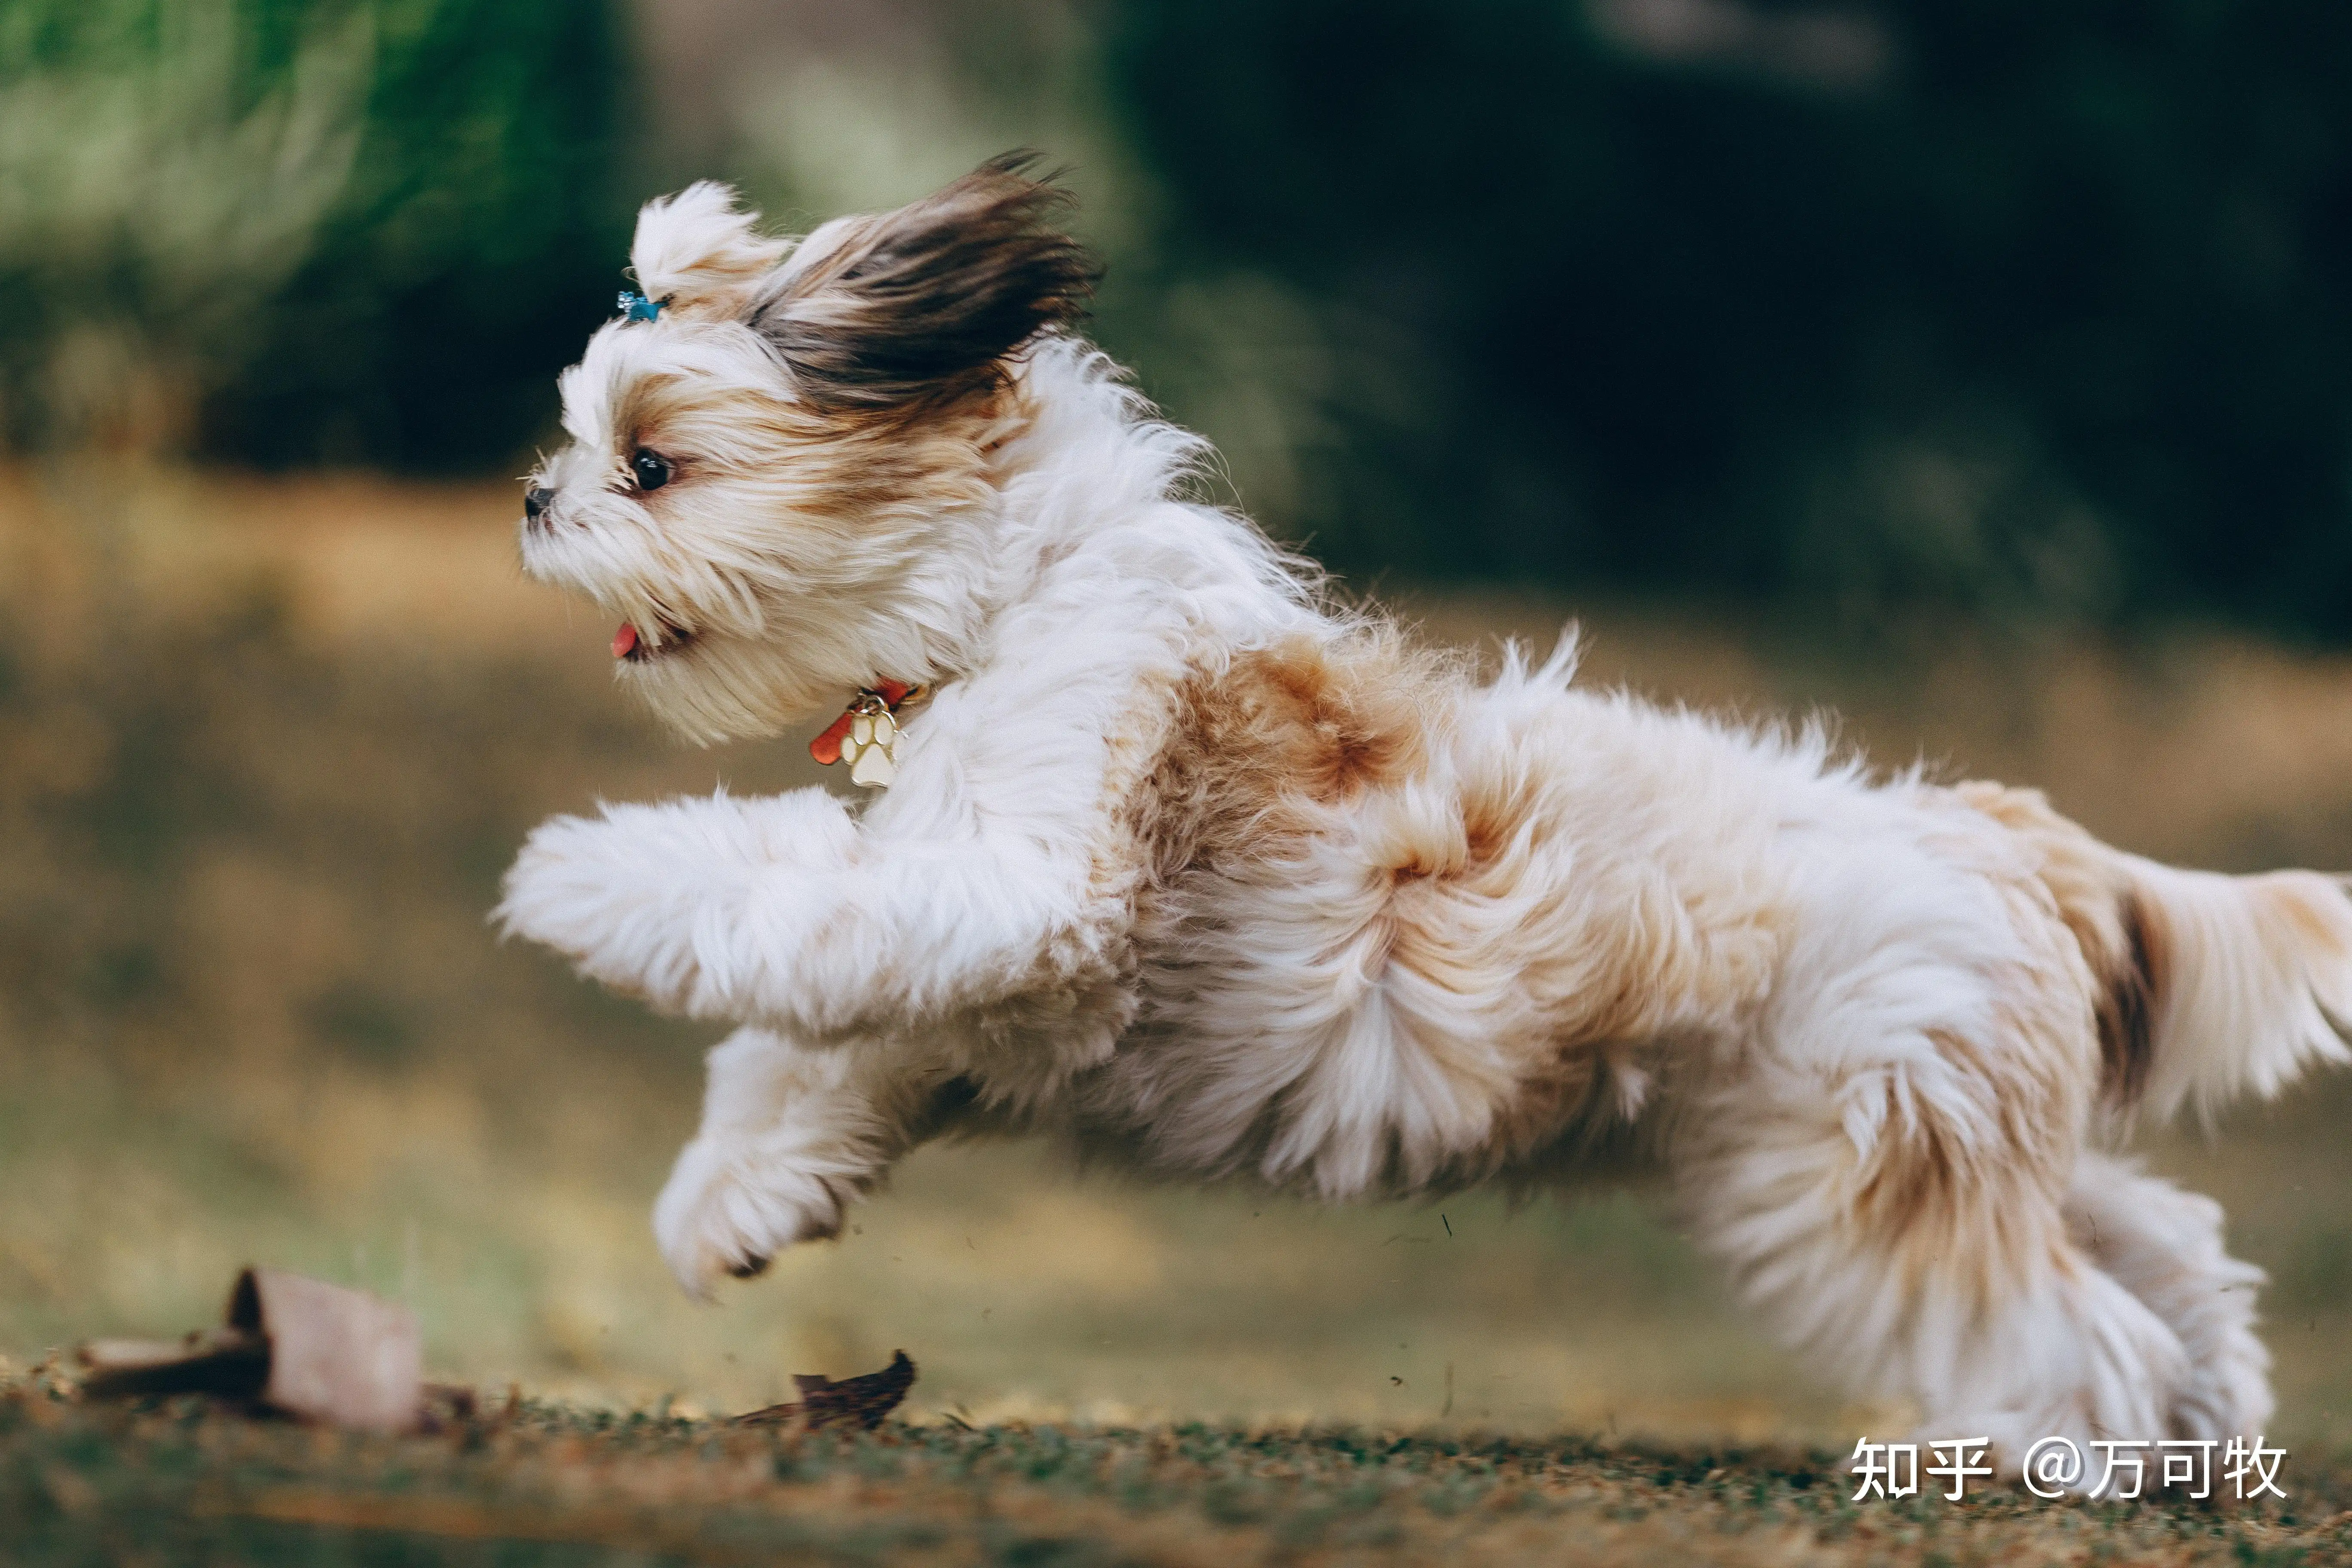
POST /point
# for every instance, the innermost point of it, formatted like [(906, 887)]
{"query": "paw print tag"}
[(870, 747), (867, 735)]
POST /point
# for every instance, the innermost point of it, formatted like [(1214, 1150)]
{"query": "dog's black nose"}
[(534, 502)]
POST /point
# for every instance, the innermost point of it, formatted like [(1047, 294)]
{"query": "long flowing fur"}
[(1185, 861)]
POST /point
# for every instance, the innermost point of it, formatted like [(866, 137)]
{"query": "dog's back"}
[(1400, 927)]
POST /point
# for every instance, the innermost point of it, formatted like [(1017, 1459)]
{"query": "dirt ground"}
[(523, 1482)]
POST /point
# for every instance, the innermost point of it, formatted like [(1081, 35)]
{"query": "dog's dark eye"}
[(650, 467)]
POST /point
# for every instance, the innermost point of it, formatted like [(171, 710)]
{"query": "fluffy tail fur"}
[(2210, 986)]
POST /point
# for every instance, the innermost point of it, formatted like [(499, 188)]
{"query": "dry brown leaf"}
[(859, 1402)]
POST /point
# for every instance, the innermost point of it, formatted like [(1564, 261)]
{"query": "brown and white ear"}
[(924, 304), (700, 254)]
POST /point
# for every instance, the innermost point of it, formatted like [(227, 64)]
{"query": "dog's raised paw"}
[(727, 1212)]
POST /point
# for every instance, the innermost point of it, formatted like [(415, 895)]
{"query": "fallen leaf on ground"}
[(859, 1402)]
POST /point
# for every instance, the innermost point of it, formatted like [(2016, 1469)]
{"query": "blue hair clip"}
[(637, 308)]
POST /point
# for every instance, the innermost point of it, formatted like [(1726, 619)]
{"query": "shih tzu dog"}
[(1179, 857)]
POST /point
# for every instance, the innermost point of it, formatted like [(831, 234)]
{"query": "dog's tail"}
[(2208, 986)]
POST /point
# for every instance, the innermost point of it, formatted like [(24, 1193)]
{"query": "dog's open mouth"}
[(628, 644)]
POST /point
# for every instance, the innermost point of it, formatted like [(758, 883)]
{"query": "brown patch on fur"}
[(2121, 933), (1327, 726), (1914, 1186), (921, 306), (2127, 1004), (1972, 1216), (842, 467), (1489, 821), (1310, 722)]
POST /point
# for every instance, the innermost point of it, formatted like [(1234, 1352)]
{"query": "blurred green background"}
[(2029, 307), (1978, 370)]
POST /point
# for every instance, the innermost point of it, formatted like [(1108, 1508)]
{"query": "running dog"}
[(1179, 857)]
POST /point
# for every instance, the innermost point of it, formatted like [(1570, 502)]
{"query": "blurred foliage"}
[(155, 204), (2041, 304), (2029, 309), (2034, 311), (301, 230)]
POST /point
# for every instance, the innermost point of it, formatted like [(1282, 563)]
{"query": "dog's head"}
[(776, 457)]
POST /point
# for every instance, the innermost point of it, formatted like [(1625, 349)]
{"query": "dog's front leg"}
[(789, 1137), (915, 932), (652, 899), (784, 911)]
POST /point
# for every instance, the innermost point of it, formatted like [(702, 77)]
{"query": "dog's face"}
[(773, 482)]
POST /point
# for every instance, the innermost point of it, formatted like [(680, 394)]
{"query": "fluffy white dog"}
[(1180, 858)]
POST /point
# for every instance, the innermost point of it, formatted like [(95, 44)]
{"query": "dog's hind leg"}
[(789, 1135), (1887, 1165), (1905, 1269), (2164, 1245)]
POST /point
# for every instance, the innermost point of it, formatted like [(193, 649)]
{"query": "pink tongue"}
[(625, 640)]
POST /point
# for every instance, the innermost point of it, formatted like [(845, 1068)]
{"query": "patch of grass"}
[(532, 1482)]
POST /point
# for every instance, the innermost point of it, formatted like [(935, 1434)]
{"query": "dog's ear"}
[(700, 253), (925, 303)]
